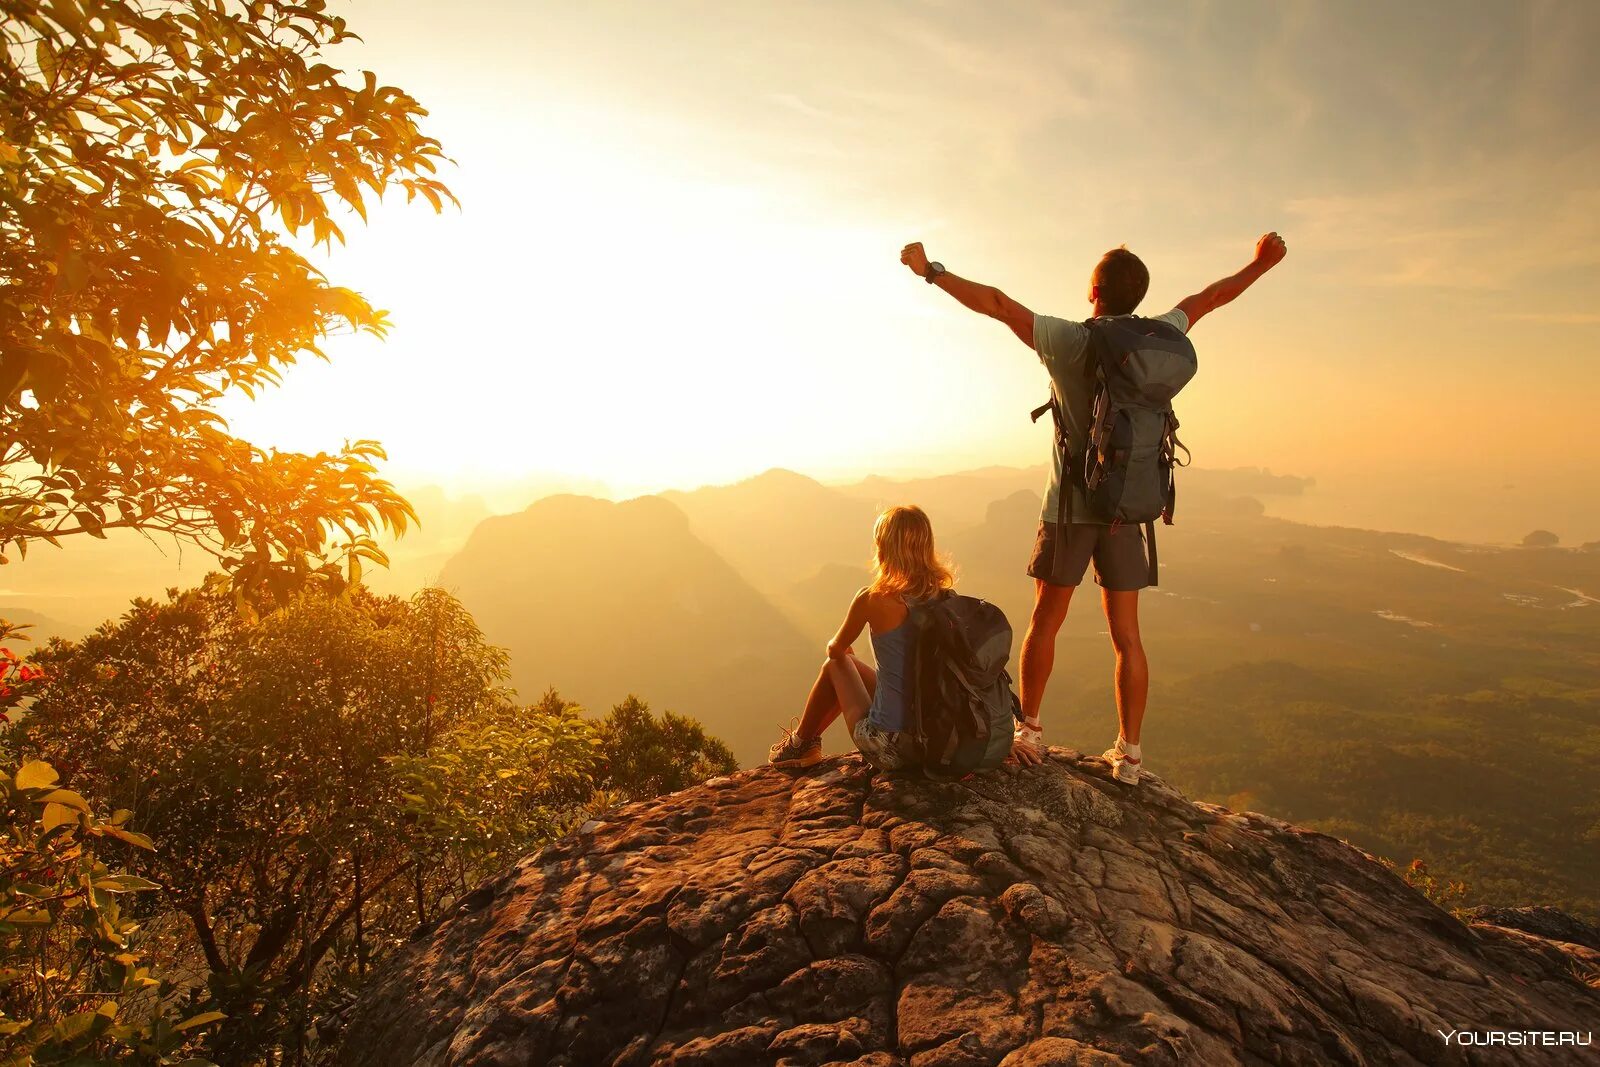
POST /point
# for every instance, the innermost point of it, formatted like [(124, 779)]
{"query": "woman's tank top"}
[(891, 700)]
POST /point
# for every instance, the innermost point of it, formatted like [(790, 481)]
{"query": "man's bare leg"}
[(1133, 669), (1050, 604)]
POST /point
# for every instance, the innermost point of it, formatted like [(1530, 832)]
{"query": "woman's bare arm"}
[(854, 622)]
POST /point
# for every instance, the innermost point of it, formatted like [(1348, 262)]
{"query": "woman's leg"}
[(854, 683), (843, 685)]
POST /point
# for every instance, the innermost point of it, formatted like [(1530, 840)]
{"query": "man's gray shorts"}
[(1117, 551)]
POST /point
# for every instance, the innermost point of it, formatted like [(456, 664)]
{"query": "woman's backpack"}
[(963, 711), (1125, 468)]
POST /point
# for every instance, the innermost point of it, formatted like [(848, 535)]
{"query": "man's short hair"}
[(1123, 280)]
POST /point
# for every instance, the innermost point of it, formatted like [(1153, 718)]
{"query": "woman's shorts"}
[(888, 750)]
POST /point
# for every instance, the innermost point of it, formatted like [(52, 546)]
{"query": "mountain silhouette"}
[(602, 600), (779, 527)]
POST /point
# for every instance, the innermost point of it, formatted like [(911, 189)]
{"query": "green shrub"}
[(74, 984)]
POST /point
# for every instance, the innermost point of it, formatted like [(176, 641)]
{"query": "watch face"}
[(935, 267)]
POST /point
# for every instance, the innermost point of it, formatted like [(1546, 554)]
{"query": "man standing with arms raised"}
[(1061, 557)]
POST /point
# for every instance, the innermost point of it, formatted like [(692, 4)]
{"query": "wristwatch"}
[(934, 270)]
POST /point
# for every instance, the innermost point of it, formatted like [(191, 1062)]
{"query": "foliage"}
[(75, 985), (646, 757), (321, 780), (1362, 755), (19, 681), (498, 785), (153, 157), (1447, 895), (504, 783), (256, 754)]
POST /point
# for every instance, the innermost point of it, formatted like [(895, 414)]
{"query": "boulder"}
[(1027, 917)]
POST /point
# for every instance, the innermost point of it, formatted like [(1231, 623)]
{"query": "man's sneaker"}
[(1031, 734), (794, 750), (1125, 766)]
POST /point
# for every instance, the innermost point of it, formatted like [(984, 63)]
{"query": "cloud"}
[(1503, 228)]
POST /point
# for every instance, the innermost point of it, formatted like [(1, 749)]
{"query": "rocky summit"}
[(1047, 916)]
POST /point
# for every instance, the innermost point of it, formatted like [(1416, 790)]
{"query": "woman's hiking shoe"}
[(794, 750), (1031, 734), (1125, 765)]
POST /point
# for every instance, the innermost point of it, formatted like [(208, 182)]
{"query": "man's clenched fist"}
[(914, 257), (1270, 249)]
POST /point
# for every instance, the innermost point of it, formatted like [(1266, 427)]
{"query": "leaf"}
[(45, 54), (13, 368), (91, 523), (203, 1019), (66, 798), (79, 1025), (27, 917), (129, 836), (125, 883), (36, 774), (59, 815)]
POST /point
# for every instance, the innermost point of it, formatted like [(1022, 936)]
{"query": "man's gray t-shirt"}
[(1063, 347)]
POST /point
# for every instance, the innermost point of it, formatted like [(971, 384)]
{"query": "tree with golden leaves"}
[(158, 162)]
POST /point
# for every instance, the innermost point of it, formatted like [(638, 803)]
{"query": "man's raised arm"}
[(984, 299), (1269, 250)]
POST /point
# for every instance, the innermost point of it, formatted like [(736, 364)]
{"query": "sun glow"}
[(598, 311)]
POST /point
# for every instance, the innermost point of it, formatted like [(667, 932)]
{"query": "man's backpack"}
[(962, 708), (1125, 467)]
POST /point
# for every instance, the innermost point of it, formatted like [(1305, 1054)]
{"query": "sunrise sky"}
[(677, 256)]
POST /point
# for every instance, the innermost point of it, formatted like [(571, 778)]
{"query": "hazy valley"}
[(1422, 698)]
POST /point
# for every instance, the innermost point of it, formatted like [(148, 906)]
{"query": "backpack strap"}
[(1170, 447), (1096, 454), (1064, 482), (1150, 550), (1063, 511), (917, 620)]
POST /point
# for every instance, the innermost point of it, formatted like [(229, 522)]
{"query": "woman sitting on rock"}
[(874, 703)]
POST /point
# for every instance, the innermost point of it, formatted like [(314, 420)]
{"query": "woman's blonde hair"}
[(904, 562)]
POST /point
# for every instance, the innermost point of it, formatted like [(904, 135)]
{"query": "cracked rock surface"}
[(1027, 918)]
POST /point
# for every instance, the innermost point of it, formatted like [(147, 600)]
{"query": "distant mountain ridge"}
[(601, 600)]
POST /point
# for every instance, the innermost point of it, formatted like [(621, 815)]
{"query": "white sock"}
[(1128, 749)]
